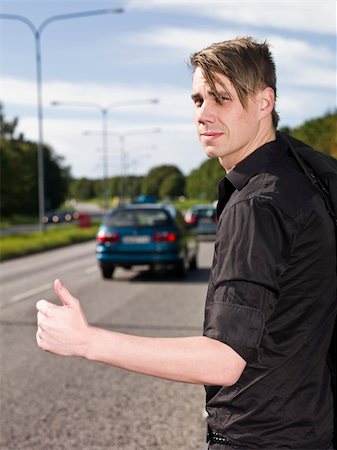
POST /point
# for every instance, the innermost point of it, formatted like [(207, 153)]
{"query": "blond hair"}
[(247, 64)]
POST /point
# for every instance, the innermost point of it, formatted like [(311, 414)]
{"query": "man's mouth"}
[(211, 135)]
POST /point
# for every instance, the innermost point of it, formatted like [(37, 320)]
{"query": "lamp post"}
[(37, 33), (104, 112), (121, 136)]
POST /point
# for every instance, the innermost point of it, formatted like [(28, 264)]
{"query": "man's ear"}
[(266, 102)]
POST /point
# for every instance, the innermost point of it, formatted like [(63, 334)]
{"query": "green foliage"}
[(82, 189), (320, 133), (87, 189), (173, 186), (158, 177), (19, 174), (134, 186), (25, 244), (7, 129), (203, 182)]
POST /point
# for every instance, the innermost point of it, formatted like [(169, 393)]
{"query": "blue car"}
[(145, 234)]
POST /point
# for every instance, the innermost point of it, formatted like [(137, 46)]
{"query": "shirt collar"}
[(256, 162)]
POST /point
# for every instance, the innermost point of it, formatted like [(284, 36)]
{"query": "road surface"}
[(51, 402)]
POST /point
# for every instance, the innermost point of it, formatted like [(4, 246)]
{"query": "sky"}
[(125, 60)]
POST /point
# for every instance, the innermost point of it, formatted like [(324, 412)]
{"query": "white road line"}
[(26, 294)]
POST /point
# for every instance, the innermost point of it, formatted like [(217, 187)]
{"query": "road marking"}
[(26, 294), (91, 270)]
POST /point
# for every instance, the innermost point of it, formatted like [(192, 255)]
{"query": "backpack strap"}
[(314, 179)]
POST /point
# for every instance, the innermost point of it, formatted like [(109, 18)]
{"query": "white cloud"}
[(294, 15), (298, 62), (128, 98)]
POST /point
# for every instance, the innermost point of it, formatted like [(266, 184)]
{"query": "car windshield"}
[(138, 218), (205, 212)]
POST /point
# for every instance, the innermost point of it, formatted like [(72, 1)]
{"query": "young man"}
[(270, 305)]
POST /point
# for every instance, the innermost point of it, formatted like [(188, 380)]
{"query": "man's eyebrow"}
[(220, 93), (195, 96)]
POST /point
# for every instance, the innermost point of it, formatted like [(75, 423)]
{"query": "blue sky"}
[(143, 54)]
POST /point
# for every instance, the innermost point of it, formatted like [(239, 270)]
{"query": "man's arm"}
[(64, 330)]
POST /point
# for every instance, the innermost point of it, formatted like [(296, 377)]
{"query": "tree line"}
[(19, 172), (169, 182)]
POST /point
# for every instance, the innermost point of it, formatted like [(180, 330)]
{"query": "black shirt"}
[(272, 298)]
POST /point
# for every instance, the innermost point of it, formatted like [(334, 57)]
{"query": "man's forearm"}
[(65, 331), (198, 360)]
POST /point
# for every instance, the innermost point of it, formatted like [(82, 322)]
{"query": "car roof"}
[(144, 206), (147, 206)]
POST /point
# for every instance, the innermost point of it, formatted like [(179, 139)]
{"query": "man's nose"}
[(205, 113)]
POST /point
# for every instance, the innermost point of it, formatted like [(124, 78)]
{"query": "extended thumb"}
[(63, 294)]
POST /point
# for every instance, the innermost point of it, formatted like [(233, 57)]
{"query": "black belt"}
[(217, 438)]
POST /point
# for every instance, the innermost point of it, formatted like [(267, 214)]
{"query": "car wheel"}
[(180, 268), (193, 263), (107, 270)]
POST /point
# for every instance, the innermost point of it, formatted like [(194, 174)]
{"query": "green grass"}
[(28, 243)]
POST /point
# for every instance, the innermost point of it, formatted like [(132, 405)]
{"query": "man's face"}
[(226, 130)]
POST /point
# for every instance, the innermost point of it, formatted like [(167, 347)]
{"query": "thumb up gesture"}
[(63, 329)]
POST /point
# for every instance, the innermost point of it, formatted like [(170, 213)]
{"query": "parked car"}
[(145, 234), (202, 219)]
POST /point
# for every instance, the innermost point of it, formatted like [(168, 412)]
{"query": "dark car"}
[(144, 234), (202, 219)]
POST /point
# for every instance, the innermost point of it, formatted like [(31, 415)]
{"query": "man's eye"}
[(222, 99), (198, 102)]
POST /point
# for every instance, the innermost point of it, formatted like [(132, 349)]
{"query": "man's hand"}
[(63, 330)]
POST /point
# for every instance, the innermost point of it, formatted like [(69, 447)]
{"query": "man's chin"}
[(210, 152)]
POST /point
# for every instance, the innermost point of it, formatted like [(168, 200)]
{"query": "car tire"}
[(107, 270), (180, 268), (193, 263)]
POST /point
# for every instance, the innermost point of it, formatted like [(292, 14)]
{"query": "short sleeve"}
[(251, 252), (229, 319)]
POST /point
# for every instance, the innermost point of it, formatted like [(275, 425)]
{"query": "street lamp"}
[(37, 32), (104, 111), (121, 136)]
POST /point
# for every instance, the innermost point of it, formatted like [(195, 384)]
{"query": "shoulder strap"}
[(320, 169)]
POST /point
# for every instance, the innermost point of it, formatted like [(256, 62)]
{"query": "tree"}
[(173, 186), (82, 189), (19, 174), (155, 178), (320, 133), (203, 182), (7, 129)]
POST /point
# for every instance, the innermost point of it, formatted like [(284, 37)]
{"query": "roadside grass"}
[(17, 245), (29, 243)]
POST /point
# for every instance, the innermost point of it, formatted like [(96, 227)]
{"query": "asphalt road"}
[(51, 402)]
